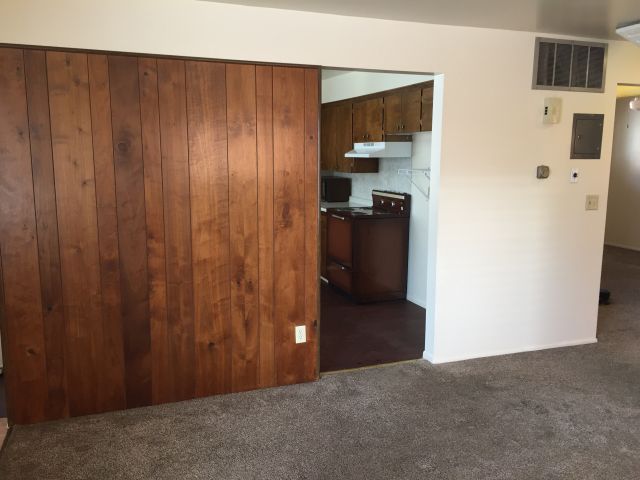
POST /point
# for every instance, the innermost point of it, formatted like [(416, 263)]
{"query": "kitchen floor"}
[(357, 335), (3, 402)]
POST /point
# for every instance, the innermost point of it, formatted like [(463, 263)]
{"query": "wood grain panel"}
[(264, 132), (289, 234), (427, 108), (77, 226), (310, 356), (112, 385), (154, 211), (175, 172), (26, 371), (47, 226), (132, 235), (158, 229), (243, 224), (207, 119), (411, 109), (6, 361)]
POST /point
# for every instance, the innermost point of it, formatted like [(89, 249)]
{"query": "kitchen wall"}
[(623, 228), (387, 178), (338, 85), (514, 262)]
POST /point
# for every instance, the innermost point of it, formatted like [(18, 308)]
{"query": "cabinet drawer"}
[(339, 243), (340, 276)]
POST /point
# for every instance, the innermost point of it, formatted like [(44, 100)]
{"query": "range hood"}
[(380, 150)]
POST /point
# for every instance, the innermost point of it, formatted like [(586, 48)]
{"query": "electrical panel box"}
[(586, 140)]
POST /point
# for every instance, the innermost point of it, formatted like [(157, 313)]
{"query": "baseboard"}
[(418, 301), (619, 245), (428, 356), (571, 343)]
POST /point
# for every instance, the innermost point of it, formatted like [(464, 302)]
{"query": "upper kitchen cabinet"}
[(367, 120), (427, 108), (328, 138), (336, 140), (402, 112)]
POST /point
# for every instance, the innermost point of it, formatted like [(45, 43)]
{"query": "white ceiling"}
[(588, 18)]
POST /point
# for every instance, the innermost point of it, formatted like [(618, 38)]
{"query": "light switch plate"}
[(301, 334), (592, 202)]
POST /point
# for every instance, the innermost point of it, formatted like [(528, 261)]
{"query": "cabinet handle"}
[(338, 217)]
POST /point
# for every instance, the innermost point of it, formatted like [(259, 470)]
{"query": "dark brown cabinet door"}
[(367, 120), (402, 113), (411, 109), (427, 108), (339, 239), (328, 138), (323, 244), (392, 113), (343, 131)]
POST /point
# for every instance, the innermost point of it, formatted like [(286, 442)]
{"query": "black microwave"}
[(335, 189)]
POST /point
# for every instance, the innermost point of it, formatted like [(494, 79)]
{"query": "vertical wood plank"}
[(153, 190), (47, 226), (77, 226), (311, 225), (207, 119), (26, 365), (289, 220), (243, 223), (132, 234), (112, 385), (264, 115), (175, 172), (6, 360)]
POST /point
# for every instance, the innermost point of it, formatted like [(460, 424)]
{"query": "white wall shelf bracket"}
[(411, 172)]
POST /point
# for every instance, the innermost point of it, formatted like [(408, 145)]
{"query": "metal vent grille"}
[(568, 65)]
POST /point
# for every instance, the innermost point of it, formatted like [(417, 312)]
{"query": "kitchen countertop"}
[(350, 204)]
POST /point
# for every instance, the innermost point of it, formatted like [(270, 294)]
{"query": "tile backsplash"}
[(387, 178)]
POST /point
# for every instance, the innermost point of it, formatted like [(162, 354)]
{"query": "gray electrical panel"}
[(586, 140)]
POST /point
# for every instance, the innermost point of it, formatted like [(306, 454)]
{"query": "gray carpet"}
[(570, 413)]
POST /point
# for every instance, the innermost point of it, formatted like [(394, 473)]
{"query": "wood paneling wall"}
[(158, 229)]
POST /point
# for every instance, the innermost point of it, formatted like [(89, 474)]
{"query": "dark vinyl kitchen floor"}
[(3, 403), (353, 335)]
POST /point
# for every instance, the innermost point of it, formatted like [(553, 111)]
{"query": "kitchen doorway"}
[(375, 153)]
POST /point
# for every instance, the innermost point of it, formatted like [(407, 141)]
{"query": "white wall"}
[(353, 84), (419, 226), (517, 260), (623, 227)]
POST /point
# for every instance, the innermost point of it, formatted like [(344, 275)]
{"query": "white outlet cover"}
[(574, 176), (301, 333)]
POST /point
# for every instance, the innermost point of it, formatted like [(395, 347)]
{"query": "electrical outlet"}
[(573, 178), (301, 334), (591, 202)]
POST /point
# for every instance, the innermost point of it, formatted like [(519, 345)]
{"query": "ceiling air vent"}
[(569, 65)]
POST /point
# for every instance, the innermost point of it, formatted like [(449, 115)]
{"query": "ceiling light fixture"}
[(630, 32)]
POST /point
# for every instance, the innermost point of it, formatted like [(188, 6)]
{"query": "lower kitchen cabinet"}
[(367, 257), (323, 244)]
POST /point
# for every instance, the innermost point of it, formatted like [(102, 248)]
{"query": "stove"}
[(385, 204), (367, 247)]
